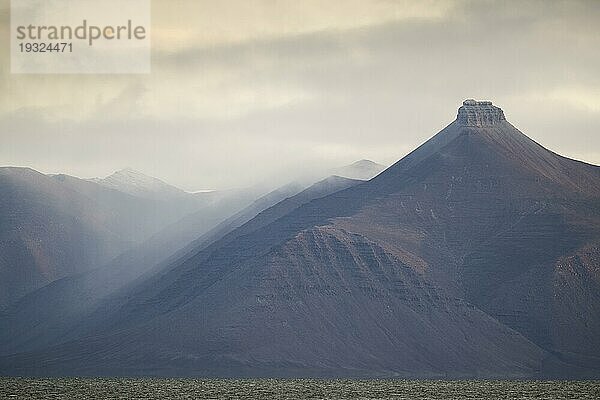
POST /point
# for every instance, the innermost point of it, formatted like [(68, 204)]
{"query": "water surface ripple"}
[(164, 389)]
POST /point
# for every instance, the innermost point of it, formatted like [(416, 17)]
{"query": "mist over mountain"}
[(53, 313), (476, 255), (55, 226)]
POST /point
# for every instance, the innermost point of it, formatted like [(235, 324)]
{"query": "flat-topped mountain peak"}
[(479, 113)]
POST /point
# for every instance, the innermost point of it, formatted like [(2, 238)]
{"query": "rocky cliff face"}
[(479, 113), (473, 256)]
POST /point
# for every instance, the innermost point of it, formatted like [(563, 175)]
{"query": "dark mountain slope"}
[(493, 233), (449, 263)]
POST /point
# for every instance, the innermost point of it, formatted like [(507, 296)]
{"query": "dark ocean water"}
[(75, 388)]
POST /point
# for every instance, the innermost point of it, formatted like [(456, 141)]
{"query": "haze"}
[(243, 92)]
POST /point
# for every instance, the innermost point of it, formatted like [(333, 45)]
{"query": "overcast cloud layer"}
[(247, 91)]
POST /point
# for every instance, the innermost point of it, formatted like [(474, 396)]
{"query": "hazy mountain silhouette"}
[(54, 226), (476, 255), (362, 169), (138, 184)]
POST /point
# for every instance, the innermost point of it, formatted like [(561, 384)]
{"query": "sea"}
[(165, 389)]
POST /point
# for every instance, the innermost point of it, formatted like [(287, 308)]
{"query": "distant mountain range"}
[(56, 226), (476, 255)]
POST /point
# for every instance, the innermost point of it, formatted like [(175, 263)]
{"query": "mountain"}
[(476, 255), (363, 170), (138, 184)]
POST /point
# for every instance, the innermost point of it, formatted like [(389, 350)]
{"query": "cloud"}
[(206, 23), (582, 98)]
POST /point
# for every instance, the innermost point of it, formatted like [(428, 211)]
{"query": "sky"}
[(246, 92)]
